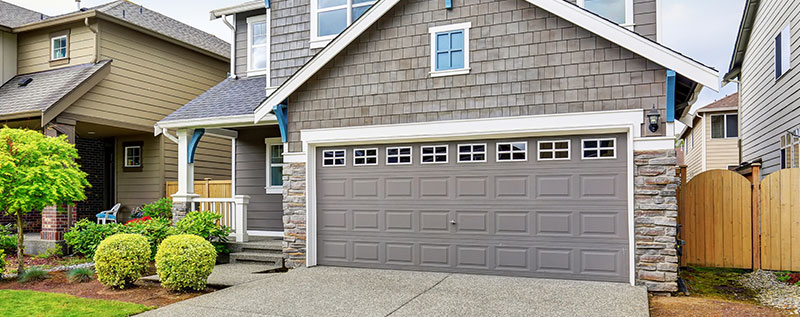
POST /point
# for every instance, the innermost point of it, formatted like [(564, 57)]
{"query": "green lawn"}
[(31, 303)]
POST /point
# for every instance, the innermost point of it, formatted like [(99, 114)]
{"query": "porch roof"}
[(231, 97)]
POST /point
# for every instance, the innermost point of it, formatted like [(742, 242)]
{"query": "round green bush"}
[(121, 259), (185, 261)]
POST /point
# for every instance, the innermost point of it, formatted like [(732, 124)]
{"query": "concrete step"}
[(271, 246), (257, 257)]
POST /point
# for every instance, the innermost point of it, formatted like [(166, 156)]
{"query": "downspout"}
[(233, 43), (95, 54)]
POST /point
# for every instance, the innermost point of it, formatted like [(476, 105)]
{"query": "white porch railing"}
[(233, 211)]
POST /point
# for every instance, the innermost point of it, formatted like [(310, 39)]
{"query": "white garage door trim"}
[(626, 121)]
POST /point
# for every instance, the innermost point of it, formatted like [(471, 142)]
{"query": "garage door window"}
[(512, 151), (365, 157), (333, 158), (471, 153), (433, 154), (599, 149), (398, 155), (553, 150)]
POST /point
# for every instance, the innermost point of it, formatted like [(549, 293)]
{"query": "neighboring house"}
[(103, 76), (764, 61), (712, 141), (497, 137)]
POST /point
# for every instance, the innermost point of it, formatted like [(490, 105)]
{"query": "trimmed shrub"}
[(32, 275), (206, 225), (80, 275), (86, 235), (184, 262), (161, 208), (155, 230), (2, 262), (8, 239), (121, 259)]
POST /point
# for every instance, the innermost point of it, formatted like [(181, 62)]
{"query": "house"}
[(103, 76), (517, 137), (762, 64), (712, 142)]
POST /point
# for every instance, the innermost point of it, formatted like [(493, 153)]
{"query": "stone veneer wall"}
[(655, 218), (294, 214)]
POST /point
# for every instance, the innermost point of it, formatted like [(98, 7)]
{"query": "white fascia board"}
[(328, 53), (243, 7), (654, 143), (215, 122)]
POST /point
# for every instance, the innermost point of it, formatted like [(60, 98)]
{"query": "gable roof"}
[(730, 102), (742, 40), (655, 52), (13, 16), (126, 12)]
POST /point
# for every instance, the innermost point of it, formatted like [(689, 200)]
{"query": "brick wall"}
[(92, 162), (32, 221)]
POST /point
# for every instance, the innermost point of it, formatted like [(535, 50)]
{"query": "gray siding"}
[(291, 23), (533, 63), (769, 107), (241, 41), (644, 17), (264, 212)]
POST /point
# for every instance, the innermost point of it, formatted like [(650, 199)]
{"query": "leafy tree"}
[(36, 171)]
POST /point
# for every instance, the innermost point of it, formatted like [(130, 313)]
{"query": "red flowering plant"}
[(138, 220)]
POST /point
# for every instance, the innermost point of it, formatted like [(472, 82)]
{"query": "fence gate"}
[(715, 210), (780, 220)]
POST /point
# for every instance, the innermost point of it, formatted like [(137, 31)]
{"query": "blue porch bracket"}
[(266, 4), (448, 4), (198, 133), (282, 114), (671, 95)]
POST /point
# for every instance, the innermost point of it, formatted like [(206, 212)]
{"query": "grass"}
[(717, 283), (33, 274), (31, 303), (80, 275)]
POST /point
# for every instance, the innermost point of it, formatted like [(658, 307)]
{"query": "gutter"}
[(247, 6), (233, 45), (95, 54), (214, 122)]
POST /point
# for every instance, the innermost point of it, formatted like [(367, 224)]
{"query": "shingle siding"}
[(645, 18), (290, 48), (524, 61)]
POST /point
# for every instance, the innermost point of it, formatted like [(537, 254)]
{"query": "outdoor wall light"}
[(653, 116)]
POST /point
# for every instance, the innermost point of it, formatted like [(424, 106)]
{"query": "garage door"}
[(552, 207)]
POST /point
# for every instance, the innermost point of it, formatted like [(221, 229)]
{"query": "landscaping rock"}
[(772, 292)]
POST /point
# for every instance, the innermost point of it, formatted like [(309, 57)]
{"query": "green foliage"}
[(206, 225), (155, 230), (8, 242), (86, 235), (54, 252), (32, 274), (121, 259), (185, 261), (783, 276), (2, 262), (161, 208), (80, 275), (15, 303)]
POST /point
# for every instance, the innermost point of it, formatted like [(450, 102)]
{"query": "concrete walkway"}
[(330, 291)]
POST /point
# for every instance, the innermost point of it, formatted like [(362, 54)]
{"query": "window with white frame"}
[(512, 151), (365, 157), (331, 17), (450, 49), (58, 47), (599, 148), (257, 44), (783, 51), (274, 166), (471, 153), (433, 154), (724, 126), (398, 155), (790, 150), (617, 11), (554, 150), (133, 156), (334, 157)]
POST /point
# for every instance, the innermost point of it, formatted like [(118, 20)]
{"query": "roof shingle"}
[(231, 97), (13, 16), (729, 102)]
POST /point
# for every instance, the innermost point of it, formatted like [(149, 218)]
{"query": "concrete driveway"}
[(331, 291)]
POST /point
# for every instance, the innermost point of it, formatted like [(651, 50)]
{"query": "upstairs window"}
[(257, 44), (450, 49), (58, 46), (617, 11), (331, 17), (783, 52), (724, 126)]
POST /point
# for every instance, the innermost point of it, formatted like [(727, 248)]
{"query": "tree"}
[(36, 171)]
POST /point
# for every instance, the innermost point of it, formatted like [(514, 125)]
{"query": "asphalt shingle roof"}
[(47, 88), (731, 101), (13, 16), (231, 97)]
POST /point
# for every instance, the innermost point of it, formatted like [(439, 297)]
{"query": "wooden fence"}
[(206, 189), (780, 220)]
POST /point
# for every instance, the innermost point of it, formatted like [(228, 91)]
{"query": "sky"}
[(704, 30)]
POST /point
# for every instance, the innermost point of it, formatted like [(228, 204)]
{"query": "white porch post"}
[(240, 219), (183, 198)]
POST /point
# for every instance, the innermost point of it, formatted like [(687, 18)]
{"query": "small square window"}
[(398, 155), (333, 157), (58, 47), (471, 153), (365, 157), (512, 151), (553, 150), (133, 156), (599, 148), (450, 49), (432, 154)]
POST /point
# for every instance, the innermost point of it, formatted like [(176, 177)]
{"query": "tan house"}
[(712, 140), (103, 76)]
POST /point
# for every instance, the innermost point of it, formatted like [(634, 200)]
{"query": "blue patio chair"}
[(108, 215)]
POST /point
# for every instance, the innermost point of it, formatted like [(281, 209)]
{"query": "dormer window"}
[(257, 45), (617, 11), (59, 47), (331, 17)]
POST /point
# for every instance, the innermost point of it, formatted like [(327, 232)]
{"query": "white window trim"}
[(539, 150), (250, 20), (410, 155), (125, 155), (322, 41), (270, 189), (599, 148), (724, 126), (785, 41), (471, 152), (446, 28), (365, 156), (52, 47), (446, 154), (629, 23), (344, 158), (512, 159)]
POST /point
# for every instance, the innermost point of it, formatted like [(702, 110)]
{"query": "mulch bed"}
[(695, 306)]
